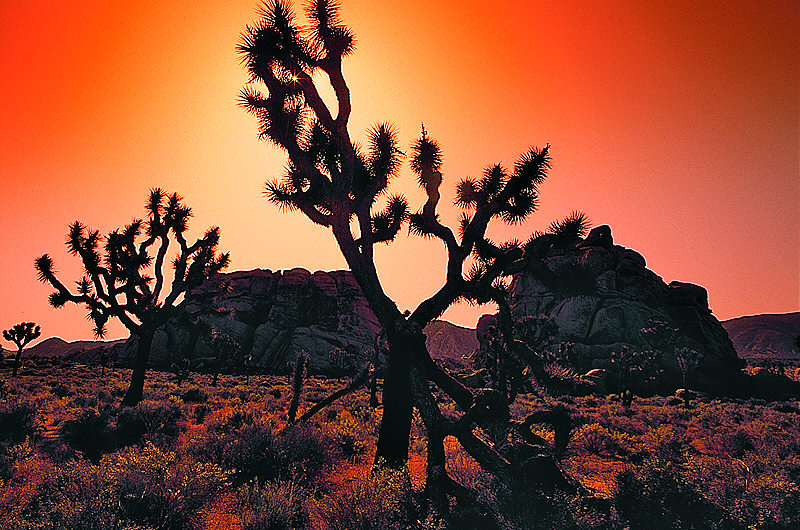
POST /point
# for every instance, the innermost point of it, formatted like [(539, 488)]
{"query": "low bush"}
[(304, 451), (377, 502), (157, 489), (657, 495), (596, 439), (158, 422), (349, 435), (271, 506), (194, 395), (17, 421), (89, 433)]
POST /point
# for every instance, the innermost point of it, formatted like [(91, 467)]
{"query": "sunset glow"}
[(677, 124)]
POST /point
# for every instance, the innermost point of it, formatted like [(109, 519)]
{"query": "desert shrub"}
[(75, 497), (596, 439), (349, 435), (89, 433), (148, 420), (194, 395), (158, 489), (250, 452), (17, 421), (271, 506), (83, 401), (363, 412), (772, 501), (131, 426), (251, 446), (61, 391), (304, 450), (665, 441), (464, 469), (200, 412), (657, 496), (529, 509), (757, 494), (105, 396), (379, 501), (69, 496), (735, 442), (239, 441)]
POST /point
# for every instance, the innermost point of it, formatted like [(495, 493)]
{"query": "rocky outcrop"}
[(602, 295), (271, 316)]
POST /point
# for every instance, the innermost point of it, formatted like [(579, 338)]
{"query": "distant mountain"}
[(79, 350), (448, 341), (768, 336)]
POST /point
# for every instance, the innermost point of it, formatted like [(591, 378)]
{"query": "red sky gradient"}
[(677, 123)]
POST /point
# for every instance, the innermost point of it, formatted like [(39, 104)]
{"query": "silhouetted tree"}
[(225, 349), (339, 185), (632, 368), (21, 334), (687, 359), (116, 283)]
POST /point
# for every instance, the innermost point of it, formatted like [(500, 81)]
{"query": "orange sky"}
[(677, 123)]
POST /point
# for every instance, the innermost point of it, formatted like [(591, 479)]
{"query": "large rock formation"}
[(271, 316), (602, 295)]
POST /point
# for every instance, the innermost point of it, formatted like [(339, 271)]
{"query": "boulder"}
[(599, 236), (616, 298), (271, 316)]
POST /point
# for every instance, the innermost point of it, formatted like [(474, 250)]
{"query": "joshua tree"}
[(21, 334), (225, 348), (116, 283), (632, 368), (339, 185), (687, 359)]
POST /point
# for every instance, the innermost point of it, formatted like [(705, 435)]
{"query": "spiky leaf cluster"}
[(116, 283), (571, 228), (328, 36), (427, 156)]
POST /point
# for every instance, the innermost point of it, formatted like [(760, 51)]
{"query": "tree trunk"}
[(136, 388), (373, 389), (392, 445), (297, 386), (16, 362)]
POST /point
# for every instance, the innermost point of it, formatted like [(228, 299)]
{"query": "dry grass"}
[(198, 456)]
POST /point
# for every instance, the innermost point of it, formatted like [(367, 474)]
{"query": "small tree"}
[(21, 334), (116, 283), (687, 359), (225, 348), (631, 367)]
